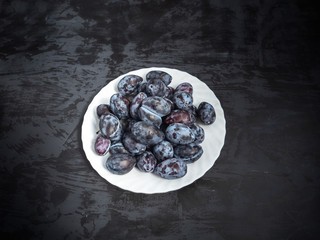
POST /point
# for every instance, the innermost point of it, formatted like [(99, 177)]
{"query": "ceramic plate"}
[(148, 183)]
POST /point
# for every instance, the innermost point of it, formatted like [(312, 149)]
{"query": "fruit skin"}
[(117, 148), (179, 133), (157, 105), (110, 126), (189, 153), (146, 162), (136, 104), (156, 87), (146, 133), (206, 113), (163, 151), (182, 100), (132, 145), (184, 87), (119, 105), (103, 109), (129, 85), (171, 168), (180, 116), (150, 117), (102, 145), (198, 132), (163, 76), (120, 163)]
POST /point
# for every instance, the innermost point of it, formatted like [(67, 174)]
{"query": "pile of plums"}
[(152, 126)]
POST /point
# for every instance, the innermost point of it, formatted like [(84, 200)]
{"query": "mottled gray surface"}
[(261, 58)]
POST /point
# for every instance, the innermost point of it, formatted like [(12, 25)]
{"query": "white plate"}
[(135, 180)]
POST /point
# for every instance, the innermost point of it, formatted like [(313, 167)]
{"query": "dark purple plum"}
[(117, 148), (102, 145), (120, 163), (206, 113), (103, 109), (184, 87), (163, 151), (171, 168), (157, 105), (198, 132), (150, 117), (189, 153), (146, 162), (182, 100), (180, 116), (179, 133), (146, 133), (110, 126), (136, 103), (163, 76), (132, 145), (119, 105), (129, 85), (156, 87)]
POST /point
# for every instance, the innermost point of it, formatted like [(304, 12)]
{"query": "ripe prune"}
[(156, 87), (171, 168), (189, 153), (117, 148), (120, 163), (119, 105), (103, 109), (110, 126), (102, 145), (182, 100), (180, 116), (163, 76), (206, 113), (150, 117), (146, 162), (129, 84), (157, 105), (179, 133), (198, 132), (146, 133), (184, 87), (133, 146), (136, 103), (163, 151), (169, 92)]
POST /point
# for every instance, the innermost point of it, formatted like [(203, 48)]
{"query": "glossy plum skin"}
[(146, 133), (172, 168), (198, 132), (132, 145), (119, 105), (157, 105), (206, 113), (150, 117), (110, 126), (103, 109), (180, 116), (182, 100), (146, 162), (156, 87), (136, 103), (120, 163), (102, 145), (163, 76), (129, 85), (179, 133), (189, 153), (163, 151), (117, 148), (184, 87)]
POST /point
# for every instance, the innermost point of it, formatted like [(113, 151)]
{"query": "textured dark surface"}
[(261, 58)]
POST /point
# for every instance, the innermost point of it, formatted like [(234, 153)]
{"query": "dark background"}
[(261, 58)]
